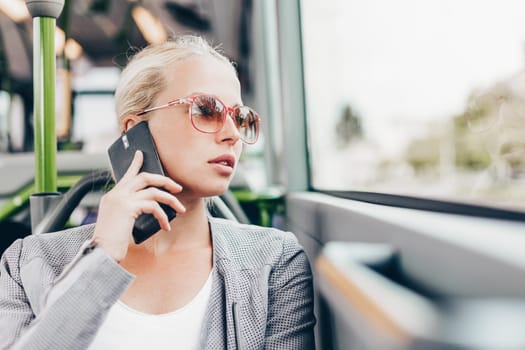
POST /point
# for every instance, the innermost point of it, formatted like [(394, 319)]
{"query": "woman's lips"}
[(224, 164), (225, 160)]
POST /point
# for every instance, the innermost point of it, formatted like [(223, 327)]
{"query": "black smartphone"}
[(121, 154)]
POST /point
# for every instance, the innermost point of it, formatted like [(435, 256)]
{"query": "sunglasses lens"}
[(207, 114), (248, 123)]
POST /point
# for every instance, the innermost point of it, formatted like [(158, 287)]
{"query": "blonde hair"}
[(145, 75)]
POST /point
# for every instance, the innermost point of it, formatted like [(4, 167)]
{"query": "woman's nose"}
[(230, 131)]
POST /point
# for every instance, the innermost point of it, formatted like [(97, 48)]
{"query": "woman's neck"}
[(189, 230)]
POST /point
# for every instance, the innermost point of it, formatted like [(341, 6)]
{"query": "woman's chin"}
[(212, 190)]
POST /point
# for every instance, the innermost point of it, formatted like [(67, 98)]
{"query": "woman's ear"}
[(129, 122)]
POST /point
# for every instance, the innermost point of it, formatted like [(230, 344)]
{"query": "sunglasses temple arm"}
[(171, 103)]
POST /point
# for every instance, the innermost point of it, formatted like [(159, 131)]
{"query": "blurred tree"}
[(348, 128), (424, 154), (470, 150)]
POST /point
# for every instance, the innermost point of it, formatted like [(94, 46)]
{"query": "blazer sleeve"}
[(15, 312), (74, 307), (291, 317)]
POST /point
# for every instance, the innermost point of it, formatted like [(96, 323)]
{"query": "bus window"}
[(95, 129), (12, 122), (417, 98), (5, 102)]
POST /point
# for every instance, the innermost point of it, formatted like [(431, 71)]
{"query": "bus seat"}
[(225, 206), (10, 231), (371, 306)]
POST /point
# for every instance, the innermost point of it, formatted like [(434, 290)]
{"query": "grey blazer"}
[(55, 293)]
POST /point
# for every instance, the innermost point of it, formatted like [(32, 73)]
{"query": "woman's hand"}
[(133, 195)]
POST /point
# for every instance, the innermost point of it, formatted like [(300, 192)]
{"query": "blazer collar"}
[(221, 324)]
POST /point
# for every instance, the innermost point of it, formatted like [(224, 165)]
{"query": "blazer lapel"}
[(221, 329)]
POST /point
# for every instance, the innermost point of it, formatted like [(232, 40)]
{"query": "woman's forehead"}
[(204, 74), (203, 68)]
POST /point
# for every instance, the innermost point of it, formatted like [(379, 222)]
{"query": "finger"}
[(144, 180), (135, 165), (153, 208), (158, 195)]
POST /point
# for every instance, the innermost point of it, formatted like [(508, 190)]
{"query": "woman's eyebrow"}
[(209, 94), (200, 93)]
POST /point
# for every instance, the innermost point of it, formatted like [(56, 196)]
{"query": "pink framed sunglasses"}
[(208, 115)]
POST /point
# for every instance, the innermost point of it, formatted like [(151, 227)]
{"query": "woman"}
[(198, 283)]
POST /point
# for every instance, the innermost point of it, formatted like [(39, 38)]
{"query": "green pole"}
[(44, 13), (44, 77)]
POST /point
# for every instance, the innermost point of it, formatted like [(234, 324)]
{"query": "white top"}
[(126, 328)]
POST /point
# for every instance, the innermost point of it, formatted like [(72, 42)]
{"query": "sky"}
[(406, 62)]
